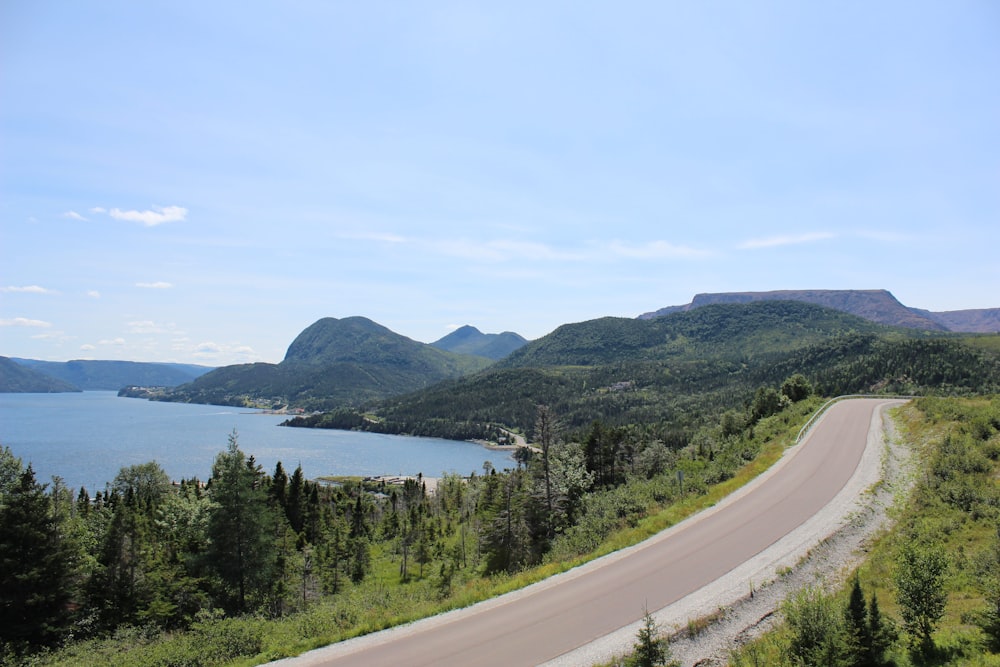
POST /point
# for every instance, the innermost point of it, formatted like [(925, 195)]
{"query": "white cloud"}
[(114, 341), (151, 327), (93, 294), (501, 250), (155, 216), (655, 250), (776, 241), (98, 209), (87, 347), (73, 215), (208, 347), (157, 285), (385, 237), (28, 289), (213, 352), (24, 322)]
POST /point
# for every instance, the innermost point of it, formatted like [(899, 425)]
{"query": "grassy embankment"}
[(953, 508)]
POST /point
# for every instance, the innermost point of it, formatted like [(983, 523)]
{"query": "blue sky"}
[(198, 182)]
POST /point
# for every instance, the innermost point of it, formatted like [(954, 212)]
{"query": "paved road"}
[(549, 620)]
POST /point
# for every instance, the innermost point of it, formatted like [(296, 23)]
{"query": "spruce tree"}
[(35, 566), (241, 549)]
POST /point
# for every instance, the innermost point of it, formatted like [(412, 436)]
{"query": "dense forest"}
[(672, 375)]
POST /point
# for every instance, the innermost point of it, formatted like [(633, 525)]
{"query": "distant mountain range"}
[(92, 375), (332, 362), (18, 379), (470, 340), (672, 373), (875, 305)]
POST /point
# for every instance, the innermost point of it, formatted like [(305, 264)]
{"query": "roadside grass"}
[(382, 601), (933, 512)]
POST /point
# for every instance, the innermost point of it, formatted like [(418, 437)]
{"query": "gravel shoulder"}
[(824, 554)]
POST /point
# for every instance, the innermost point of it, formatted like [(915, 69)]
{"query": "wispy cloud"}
[(98, 209), (500, 250), (112, 341), (212, 352), (73, 215), (93, 294), (87, 347), (382, 237), (24, 322), (151, 327), (28, 289), (157, 285), (157, 215), (656, 250), (776, 241)]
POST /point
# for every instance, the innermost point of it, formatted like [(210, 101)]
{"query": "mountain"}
[(470, 340), (667, 375), (333, 362), (985, 320), (18, 379), (97, 375), (714, 331), (875, 305)]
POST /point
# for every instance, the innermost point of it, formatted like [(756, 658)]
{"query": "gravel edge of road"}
[(725, 615)]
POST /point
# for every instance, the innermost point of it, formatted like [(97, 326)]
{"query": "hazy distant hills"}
[(875, 305), (101, 375), (470, 340), (92, 375), (332, 362), (18, 379)]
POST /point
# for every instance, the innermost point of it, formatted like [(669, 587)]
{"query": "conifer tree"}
[(241, 548), (35, 566)]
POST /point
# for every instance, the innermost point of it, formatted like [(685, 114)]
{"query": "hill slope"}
[(18, 379), (332, 362), (875, 305), (470, 340), (96, 375), (665, 376)]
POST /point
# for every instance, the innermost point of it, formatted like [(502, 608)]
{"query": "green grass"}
[(967, 536)]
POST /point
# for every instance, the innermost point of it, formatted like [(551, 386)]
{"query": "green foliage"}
[(651, 647), (241, 526), (818, 633), (35, 566), (796, 388)]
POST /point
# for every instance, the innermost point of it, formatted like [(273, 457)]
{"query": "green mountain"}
[(875, 305), (18, 379), (670, 374), (333, 362), (96, 375), (470, 340)]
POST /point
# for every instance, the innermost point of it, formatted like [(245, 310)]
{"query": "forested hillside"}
[(15, 378), (671, 374), (333, 362)]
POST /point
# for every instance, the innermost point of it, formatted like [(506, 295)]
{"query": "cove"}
[(86, 438)]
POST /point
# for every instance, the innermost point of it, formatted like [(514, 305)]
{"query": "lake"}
[(86, 438)]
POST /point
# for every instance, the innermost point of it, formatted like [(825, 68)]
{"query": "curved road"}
[(547, 620)]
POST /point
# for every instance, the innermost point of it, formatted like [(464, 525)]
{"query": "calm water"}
[(85, 438)]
